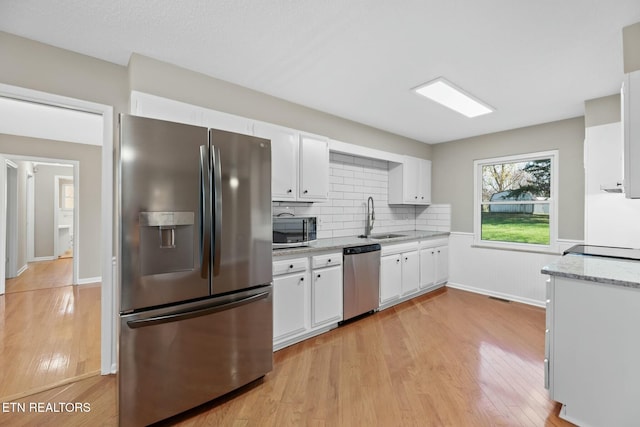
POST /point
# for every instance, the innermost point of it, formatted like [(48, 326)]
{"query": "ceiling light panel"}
[(445, 93)]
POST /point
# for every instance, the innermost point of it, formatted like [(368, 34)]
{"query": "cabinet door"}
[(427, 267), (229, 122), (411, 180), (289, 297), (314, 168), (410, 272), (284, 160), (390, 278), (442, 264), (425, 182), (326, 296)]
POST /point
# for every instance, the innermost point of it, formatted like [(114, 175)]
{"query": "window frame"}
[(554, 155)]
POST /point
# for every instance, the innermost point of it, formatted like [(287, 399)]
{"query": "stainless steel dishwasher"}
[(361, 280)]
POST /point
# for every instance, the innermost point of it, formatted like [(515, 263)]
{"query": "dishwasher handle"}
[(362, 249)]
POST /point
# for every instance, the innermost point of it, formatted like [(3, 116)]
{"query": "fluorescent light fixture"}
[(447, 94)]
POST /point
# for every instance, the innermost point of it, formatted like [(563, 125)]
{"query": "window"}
[(66, 199), (515, 201)]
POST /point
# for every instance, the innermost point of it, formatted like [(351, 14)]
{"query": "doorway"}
[(103, 343), (42, 222)]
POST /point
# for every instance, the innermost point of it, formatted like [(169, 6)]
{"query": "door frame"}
[(56, 214), (11, 212), (108, 329)]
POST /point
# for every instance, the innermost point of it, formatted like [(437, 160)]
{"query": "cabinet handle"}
[(329, 260), (318, 276), (291, 266), (398, 260), (416, 197), (422, 197), (289, 191), (305, 191), (302, 279), (438, 251), (406, 259)]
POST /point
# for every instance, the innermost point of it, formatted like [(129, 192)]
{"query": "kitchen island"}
[(592, 351)]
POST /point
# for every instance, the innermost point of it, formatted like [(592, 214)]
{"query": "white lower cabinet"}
[(434, 264), (390, 278), (326, 296), (399, 272), (592, 351), (289, 297), (307, 297)]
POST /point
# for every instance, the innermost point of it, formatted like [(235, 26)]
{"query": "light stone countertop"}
[(597, 269), (345, 242)]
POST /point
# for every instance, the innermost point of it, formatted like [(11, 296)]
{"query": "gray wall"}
[(43, 224), (169, 81), (453, 170), (90, 158), (50, 69), (631, 47), (602, 111)]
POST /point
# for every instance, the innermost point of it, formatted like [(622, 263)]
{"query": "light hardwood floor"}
[(451, 358), (42, 275), (49, 330)]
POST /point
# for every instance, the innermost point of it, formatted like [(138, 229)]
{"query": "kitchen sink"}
[(385, 236)]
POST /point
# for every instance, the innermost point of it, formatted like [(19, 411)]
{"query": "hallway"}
[(49, 330)]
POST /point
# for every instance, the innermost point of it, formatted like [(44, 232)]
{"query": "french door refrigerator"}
[(194, 265)]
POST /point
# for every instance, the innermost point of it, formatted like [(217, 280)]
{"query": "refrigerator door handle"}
[(184, 315), (217, 208), (205, 208)]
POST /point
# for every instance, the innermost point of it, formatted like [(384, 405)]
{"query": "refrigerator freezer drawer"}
[(176, 358)]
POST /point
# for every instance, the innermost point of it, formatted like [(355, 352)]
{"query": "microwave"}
[(294, 231)]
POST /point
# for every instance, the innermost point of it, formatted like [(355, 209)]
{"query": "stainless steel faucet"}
[(371, 216)]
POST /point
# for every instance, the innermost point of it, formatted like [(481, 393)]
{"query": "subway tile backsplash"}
[(351, 181)]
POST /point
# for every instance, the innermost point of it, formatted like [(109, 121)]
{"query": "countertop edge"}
[(593, 279), (358, 242)]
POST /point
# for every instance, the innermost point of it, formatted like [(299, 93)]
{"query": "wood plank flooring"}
[(450, 358), (42, 275), (49, 332)]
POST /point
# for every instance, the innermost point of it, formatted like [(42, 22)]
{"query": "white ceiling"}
[(534, 61)]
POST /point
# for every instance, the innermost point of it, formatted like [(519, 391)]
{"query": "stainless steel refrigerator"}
[(194, 265)]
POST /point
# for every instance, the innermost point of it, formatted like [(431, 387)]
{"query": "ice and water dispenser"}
[(166, 242)]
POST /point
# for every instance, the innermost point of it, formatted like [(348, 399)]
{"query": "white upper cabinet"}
[(314, 168), (410, 182), (284, 160), (299, 163), (229, 122), (631, 124)]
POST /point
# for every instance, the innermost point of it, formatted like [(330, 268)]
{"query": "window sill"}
[(514, 248)]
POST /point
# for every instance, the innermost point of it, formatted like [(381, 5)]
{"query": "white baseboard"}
[(89, 280), (114, 369), (22, 269), (43, 258), (514, 298)]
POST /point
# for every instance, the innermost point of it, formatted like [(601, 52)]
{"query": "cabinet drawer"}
[(328, 260), (397, 249), (290, 266)]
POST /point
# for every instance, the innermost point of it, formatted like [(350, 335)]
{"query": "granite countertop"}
[(596, 269), (345, 242)]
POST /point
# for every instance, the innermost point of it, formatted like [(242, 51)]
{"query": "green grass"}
[(515, 227)]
